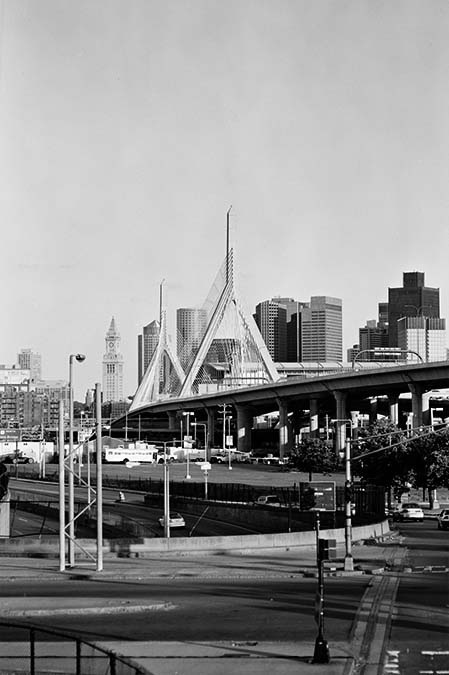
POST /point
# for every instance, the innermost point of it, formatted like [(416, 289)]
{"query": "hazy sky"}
[(128, 127)]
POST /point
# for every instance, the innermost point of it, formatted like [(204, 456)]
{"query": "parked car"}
[(175, 520), (219, 459), (443, 520), (268, 500), (409, 511)]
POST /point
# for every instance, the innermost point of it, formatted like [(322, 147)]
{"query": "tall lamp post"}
[(80, 358), (187, 414), (229, 418), (226, 417), (349, 561), (204, 425)]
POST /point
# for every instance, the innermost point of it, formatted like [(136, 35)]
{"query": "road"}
[(419, 630), (276, 607), (132, 508), (270, 609)]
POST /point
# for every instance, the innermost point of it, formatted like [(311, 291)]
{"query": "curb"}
[(85, 611)]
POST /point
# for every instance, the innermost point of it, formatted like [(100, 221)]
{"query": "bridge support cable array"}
[(226, 351)]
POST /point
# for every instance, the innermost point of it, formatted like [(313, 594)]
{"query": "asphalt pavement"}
[(201, 658)]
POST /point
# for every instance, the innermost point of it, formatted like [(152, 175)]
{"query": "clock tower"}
[(112, 366)]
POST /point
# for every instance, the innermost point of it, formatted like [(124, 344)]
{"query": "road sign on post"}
[(317, 496), (327, 549)]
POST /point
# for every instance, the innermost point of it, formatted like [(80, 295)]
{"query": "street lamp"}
[(418, 308), (349, 561), (229, 418), (79, 358), (204, 425), (166, 495), (187, 414)]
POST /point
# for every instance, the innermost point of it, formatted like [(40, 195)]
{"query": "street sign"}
[(205, 466), (317, 496), (229, 441)]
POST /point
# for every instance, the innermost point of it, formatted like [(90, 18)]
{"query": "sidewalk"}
[(369, 558)]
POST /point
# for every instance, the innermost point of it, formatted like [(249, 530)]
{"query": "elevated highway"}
[(340, 396)]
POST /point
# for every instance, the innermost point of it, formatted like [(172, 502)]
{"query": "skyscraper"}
[(271, 319), (413, 299), (31, 361), (112, 366), (426, 337), (294, 320), (191, 324), (146, 346), (322, 338), (375, 336)]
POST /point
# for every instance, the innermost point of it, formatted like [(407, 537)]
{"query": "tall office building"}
[(31, 361), (322, 335), (424, 336), (374, 336), (294, 320), (413, 299), (112, 366), (146, 346), (191, 324), (271, 319)]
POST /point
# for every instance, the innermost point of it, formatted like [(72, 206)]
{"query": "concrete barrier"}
[(5, 517), (48, 545), (251, 541)]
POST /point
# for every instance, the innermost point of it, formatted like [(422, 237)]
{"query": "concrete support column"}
[(210, 430), (417, 405), (313, 416), (354, 422), (295, 423), (244, 427), (426, 409), (393, 401), (285, 436), (341, 421), (373, 410), (172, 420)]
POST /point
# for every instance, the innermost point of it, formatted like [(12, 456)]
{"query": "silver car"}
[(410, 511)]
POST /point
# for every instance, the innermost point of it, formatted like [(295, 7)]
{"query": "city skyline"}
[(325, 127)]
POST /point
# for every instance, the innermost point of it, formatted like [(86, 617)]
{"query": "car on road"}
[(268, 500), (443, 520), (175, 520), (409, 511), (219, 459)]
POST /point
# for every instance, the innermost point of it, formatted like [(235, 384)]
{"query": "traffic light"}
[(327, 549), (349, 492)]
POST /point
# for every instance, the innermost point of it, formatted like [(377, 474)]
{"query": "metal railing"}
[(46, 650)]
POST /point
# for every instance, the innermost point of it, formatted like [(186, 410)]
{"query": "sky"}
[(129, 127)]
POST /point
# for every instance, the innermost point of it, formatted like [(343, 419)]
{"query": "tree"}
[(429, 461), (390, 466), (314, 455)]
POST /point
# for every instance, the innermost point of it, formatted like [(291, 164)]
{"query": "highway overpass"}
[(339, 396)]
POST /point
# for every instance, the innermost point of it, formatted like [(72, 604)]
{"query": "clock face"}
[(111, 345)]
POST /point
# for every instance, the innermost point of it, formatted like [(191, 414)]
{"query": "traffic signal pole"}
[(321, 652), (349, 560)]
